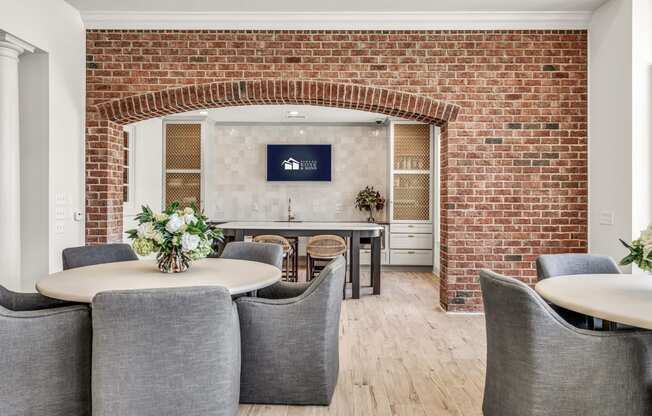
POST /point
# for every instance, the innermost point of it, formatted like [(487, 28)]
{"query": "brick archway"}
[(256, 92), (104, 147)]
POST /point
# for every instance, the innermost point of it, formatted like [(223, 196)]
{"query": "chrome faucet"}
[(290, 214)]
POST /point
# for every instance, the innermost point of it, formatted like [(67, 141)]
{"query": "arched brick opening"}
[(256, 92), (104, 139)]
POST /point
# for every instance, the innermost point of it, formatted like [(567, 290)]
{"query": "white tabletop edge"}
[(639, 315), (81, 284)]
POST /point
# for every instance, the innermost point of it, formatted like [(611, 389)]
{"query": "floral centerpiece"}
[(178, 236), (639, 251), (369, 199)]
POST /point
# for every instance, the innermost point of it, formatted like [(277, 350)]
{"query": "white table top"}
[(300, 225), (82, 284), (622, 298)]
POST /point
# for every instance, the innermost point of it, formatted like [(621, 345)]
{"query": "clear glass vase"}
[(172, 262)]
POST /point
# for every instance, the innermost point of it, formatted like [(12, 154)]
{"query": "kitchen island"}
[(351, 230)]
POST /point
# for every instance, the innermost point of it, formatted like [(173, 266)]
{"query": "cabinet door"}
[(184, 188), (411, 192), (412, 147), (183, 164), (411, 172)]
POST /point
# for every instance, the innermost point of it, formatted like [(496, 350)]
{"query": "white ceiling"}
[(278, 114), (331, 6)]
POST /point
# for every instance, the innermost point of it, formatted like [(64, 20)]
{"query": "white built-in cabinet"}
[(411, 193)]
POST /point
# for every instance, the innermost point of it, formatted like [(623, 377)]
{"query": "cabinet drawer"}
[(411, 257), (411, 228), (414, 241), (365, 257)]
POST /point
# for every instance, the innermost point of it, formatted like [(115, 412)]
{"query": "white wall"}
[(56, 28), (146, 169), (610, 126), (641, 115), (620, 123)]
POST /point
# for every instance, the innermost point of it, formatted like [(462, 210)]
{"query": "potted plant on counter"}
[(369, 199), (178, 236), (639, 251)]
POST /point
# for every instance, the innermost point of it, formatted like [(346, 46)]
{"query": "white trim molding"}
[(515, 20), (10, 41)]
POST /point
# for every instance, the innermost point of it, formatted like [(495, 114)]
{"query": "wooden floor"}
[(400, 354)]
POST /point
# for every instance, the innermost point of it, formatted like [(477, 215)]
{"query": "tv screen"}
[(298, 162)]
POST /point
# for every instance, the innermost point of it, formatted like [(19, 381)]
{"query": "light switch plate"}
[(607, 218)]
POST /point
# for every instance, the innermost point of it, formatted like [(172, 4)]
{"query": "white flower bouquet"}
[(178, 236), (639, 251)]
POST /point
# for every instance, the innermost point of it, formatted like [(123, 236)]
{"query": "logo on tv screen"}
[(296, 162)]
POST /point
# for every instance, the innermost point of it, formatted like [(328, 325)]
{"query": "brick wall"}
[(514, 174)]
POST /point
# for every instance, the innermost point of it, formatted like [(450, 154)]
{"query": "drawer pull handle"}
[(410, 226), (410, 252), (410, 235)]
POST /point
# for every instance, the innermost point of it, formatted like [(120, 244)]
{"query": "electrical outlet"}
[(59, 228)]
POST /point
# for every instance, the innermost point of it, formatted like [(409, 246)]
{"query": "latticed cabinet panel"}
[(412, 147), (183, 146), (411, 197), (184, 188), (183, 164)]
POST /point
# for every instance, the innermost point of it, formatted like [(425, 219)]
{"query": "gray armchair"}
[(290, 341), (45, 356), (551, 265), (261, 252), (166, 352), (74, 257), (539, 365)]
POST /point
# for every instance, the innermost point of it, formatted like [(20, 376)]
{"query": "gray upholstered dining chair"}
[(551, 265), (290, 340), (74, 257), (539, 365), (45, 356), (165, 352), (261, 252)]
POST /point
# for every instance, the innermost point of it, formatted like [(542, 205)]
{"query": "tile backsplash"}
[(235, 172)]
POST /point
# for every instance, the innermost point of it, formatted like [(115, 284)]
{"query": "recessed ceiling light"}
[(203, 112)]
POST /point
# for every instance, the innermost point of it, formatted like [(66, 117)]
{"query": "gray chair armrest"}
[(17, 301), (283, 290), (46, 356)]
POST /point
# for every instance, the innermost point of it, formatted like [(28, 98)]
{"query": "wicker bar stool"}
[(320, 250), (290, 271)]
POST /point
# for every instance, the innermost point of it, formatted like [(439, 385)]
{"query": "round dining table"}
[(614, 298), (83, 283)]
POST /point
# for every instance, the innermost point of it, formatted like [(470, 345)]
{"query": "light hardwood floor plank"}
[(401, 355)]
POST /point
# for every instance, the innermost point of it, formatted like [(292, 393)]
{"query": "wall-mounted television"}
[(298, 162)]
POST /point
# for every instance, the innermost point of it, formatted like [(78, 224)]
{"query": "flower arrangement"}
[(369, 199), (178, 236), (639, 251)]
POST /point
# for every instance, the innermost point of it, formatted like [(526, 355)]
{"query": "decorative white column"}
[(10, 250)]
